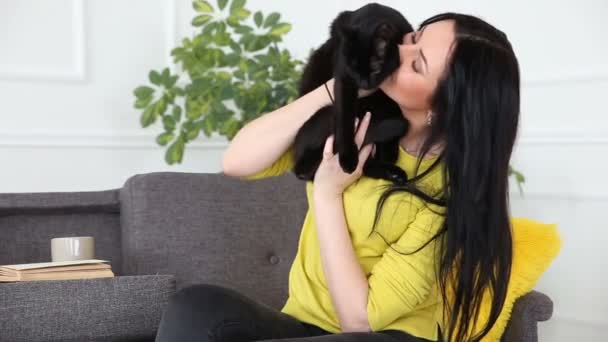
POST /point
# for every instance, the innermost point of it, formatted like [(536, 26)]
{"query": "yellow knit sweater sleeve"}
[(400, 280), (279, 167)]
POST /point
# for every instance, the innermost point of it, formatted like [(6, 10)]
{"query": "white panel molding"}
[(77, 72), (136, 140), (596, 323), (129, 139), (553, 197), (96, 139), (563, 137), (559, 77)]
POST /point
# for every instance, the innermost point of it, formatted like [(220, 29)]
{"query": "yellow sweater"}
[(402, 288)]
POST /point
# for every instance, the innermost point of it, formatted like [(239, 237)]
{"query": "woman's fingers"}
[(328, 150), (360, 133)]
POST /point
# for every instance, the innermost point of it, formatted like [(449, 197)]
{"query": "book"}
[(58, 270)]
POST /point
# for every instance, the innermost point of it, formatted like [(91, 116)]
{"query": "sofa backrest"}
[(211, 228), (28, 222)]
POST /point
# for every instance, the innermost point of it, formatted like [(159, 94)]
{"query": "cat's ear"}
[(342, 26)]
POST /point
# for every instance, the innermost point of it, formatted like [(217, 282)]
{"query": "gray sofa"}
[(161, 232)]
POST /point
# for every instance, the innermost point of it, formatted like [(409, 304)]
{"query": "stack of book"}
[(58, 270)]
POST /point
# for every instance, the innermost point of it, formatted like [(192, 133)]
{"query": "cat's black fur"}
[(360, 53)]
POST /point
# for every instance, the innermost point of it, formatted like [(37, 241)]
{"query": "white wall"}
[(68, 68)]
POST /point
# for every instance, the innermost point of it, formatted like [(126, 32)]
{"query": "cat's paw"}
[(349, 159)]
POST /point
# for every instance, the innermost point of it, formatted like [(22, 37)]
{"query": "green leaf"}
[(260, 43), (236, 4), (258, 18), (155, 77), (226, 93), (235, 47), (223, 39), (202, 6), (192, 130), (222, 4), (143, 92), (201, 20), (243, 29), (224, 76), (164, 138), (208, 125), (177, 113), (246, 39), (172, 80), (143, 103), (260, 75), (175, 152), (229, 125), (179, 91), (272, 19), (233, 21), (280, 29), (148, 117), (239, 74), (160, 107), (241, 13), (168, 123), (209, 28), (165, 76), (232, 59)]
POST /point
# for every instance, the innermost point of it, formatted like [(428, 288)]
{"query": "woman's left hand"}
[(330, 179)]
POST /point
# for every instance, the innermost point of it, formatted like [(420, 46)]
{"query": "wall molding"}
[(141, 139), (96, 139), (595, 323), (76, 73), (563, 137), (137, 140), (587, 75), (515, 196)]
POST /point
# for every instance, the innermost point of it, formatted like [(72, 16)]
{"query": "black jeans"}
[(211, 313)]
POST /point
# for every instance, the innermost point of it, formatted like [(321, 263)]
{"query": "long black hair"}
[(476, 115)]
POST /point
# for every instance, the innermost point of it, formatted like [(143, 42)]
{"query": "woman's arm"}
[(346, 280), (262, 141)]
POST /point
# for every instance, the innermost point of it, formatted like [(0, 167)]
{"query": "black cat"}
[(360, 53)]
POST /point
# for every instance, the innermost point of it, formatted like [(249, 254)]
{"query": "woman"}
[(390, 272)]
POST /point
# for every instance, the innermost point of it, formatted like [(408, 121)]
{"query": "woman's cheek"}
[(410, 92)]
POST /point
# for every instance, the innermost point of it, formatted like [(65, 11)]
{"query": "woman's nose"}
[(406, 50)]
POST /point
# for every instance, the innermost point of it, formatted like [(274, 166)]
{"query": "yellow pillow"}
[(535, 245)]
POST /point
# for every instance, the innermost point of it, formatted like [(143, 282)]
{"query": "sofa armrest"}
[(528, 310), (127, 308)]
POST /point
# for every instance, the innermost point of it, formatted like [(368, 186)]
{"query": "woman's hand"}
[(330, 179)]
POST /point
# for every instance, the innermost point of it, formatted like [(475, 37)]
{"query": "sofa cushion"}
[(211, 228), (126, 308), (535, 246)]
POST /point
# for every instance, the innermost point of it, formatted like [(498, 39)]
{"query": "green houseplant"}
[(230, 72)]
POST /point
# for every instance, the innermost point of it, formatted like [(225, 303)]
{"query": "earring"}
[(429, 117)]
